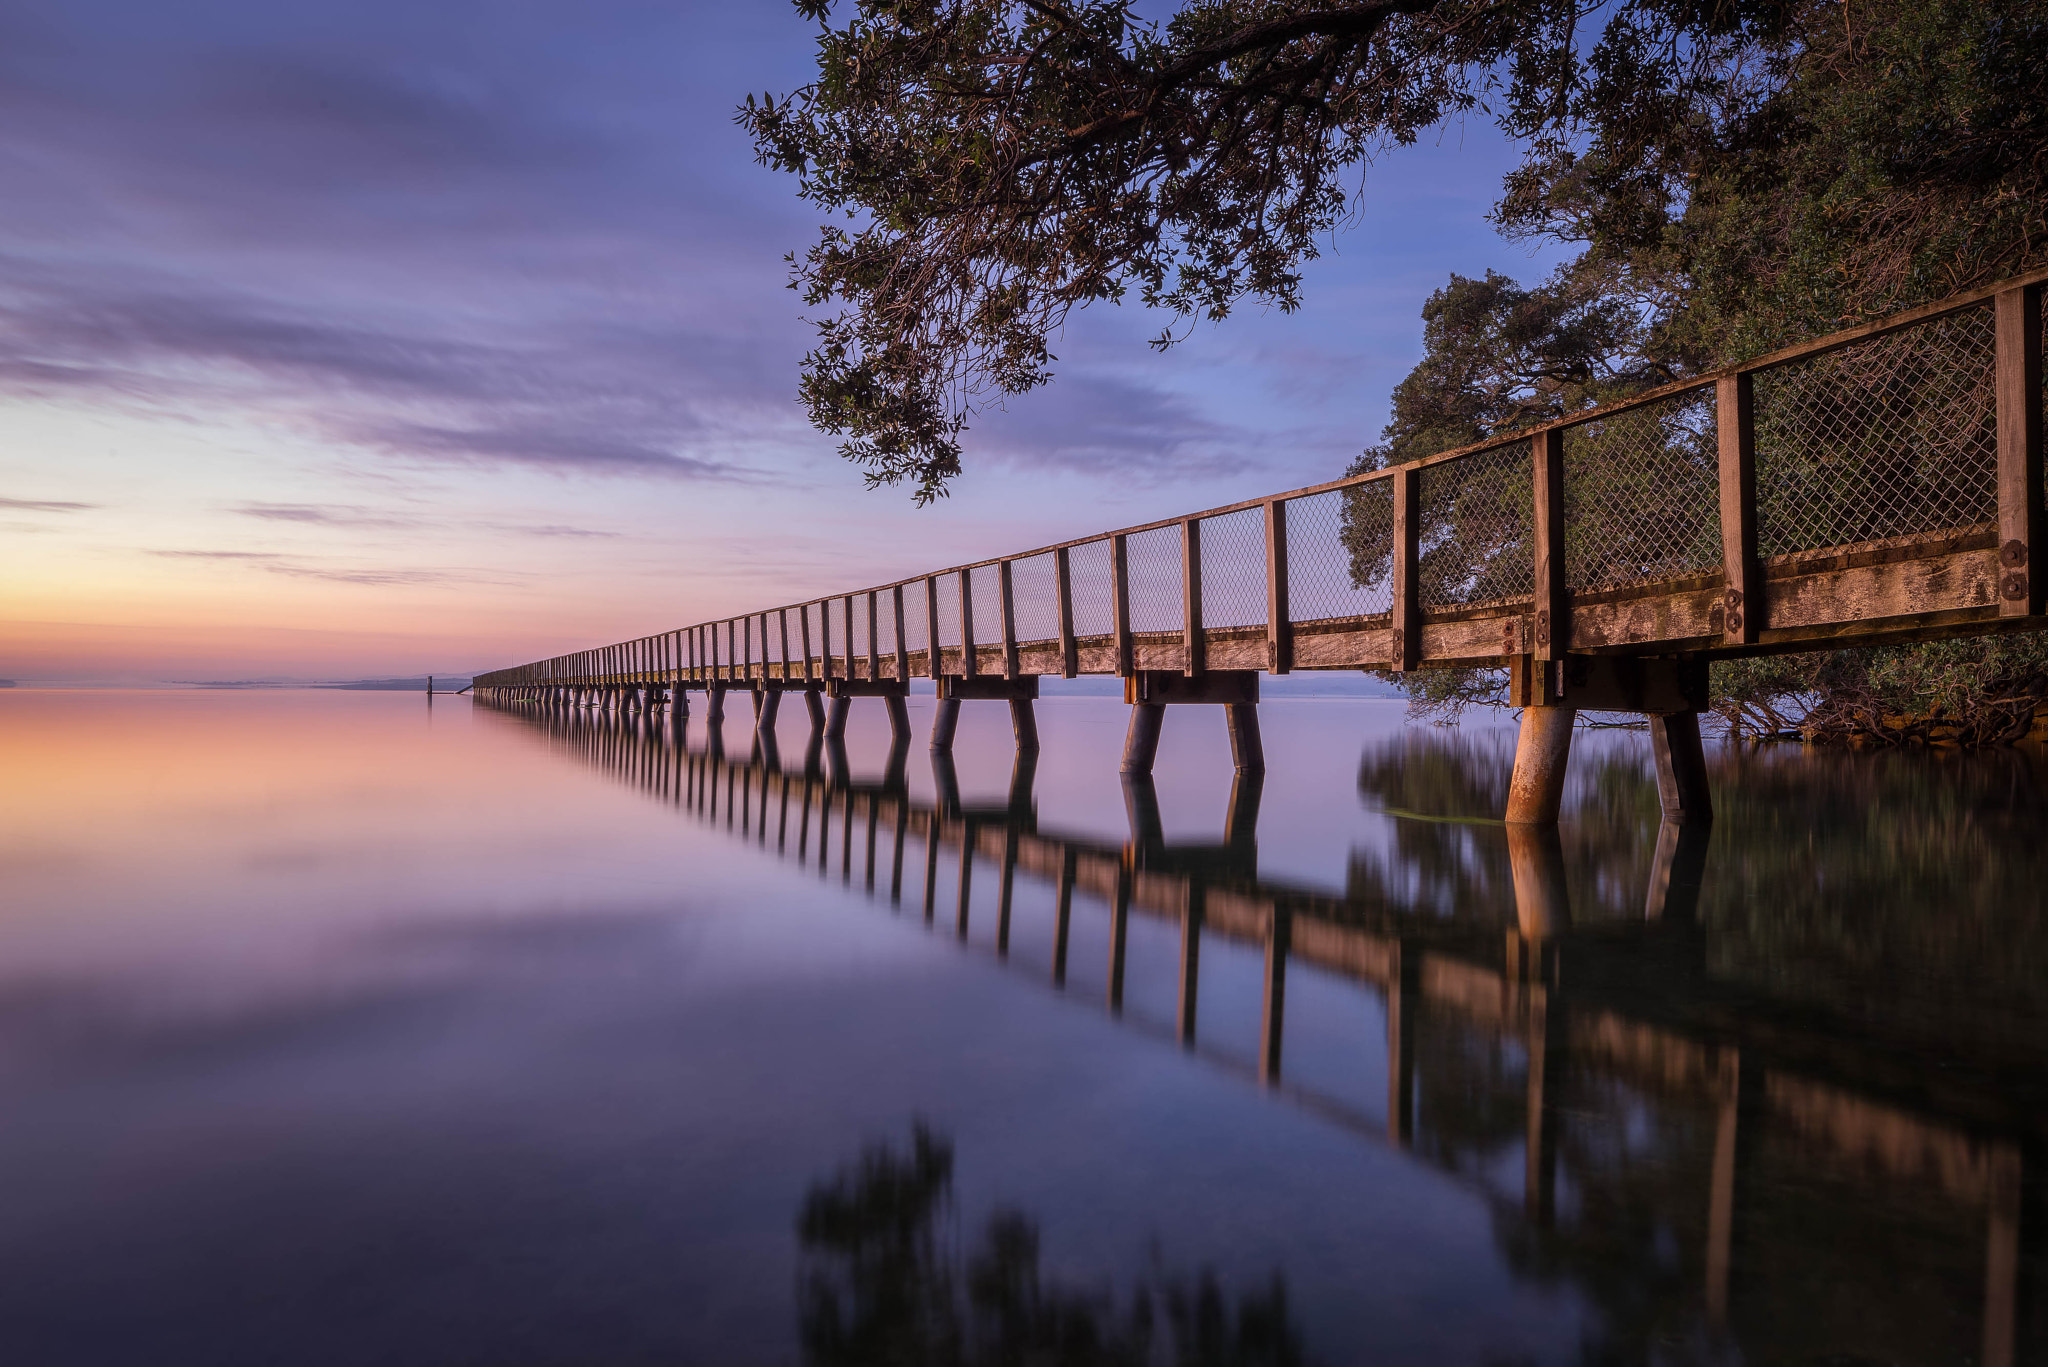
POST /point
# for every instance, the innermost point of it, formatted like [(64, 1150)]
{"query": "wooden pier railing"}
[(1881, 484)]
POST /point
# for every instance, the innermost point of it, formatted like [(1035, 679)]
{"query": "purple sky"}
[(351, 338)]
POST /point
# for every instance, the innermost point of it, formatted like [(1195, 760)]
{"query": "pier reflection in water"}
[(1750, 1088)]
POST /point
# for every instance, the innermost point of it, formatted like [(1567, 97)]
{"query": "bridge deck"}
[(1878, 485)]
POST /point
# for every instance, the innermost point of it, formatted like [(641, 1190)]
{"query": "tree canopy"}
[(1861, 159), (992, 164)]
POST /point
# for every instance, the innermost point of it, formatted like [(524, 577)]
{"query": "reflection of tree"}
[(880, 1286), (1450, 856), (1884, 901), (1900, 882)]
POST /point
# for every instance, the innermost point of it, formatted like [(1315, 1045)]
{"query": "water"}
[(339, 1029)]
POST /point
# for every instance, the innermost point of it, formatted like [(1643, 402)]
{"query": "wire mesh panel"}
[(1153, 559), (1094, 588), (860, 624), (949, 610), (1035, 593), (814, 621), (1642, 494), (988, 605), (885, 622), (1475, 520), (1234, 569), (1885, 438), (1340, 554), (915, 627)]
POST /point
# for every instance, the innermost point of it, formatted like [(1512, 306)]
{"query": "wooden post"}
[(1742, 605), (846, 643), (1064, 916), (1279, 629), (2004, 1265), (1673, 895), (900, 824), (1247, 750), (931, 865), (1681, 767), (1063, 576), (966, 878), (931, 625), (2018, 324), (968, 664), (1404, 996), (1194, 646), (1545, 1074), (945, 719), (783, 614), (1739, 1096), (1190, 960), (1024, 723), (1006, 892), (803, 621), (1273, 1013), (747, 650), (902, 650), (824, 638), (1542, 752), (1007, 604), (1407, 613), (1120, 601), (874, 637), (1141, 742), (1553, 610), (1119, 937)]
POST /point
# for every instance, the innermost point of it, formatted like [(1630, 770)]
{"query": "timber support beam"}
[(1149, 691), (1020, 692)]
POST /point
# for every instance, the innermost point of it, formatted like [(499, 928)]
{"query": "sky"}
[(345, 340)]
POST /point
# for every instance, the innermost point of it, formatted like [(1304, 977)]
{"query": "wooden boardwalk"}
[(1879, 485)]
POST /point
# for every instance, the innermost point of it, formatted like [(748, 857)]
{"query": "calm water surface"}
[(335, 1028)]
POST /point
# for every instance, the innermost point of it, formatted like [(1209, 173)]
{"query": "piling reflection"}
[(1752, 1090)]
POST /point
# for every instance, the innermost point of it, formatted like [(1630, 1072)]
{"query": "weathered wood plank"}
[(1006, 602), (1120, 598), (1407, 612), (1063, 576), (1742, 606), (2018, 387), (1553, 618), (970, 654), (1279, 631)]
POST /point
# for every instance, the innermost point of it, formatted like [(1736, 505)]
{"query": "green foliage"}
[(991, 164), (1440, 696), (1732, 194)]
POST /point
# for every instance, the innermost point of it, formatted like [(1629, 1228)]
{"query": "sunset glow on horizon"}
[(379, 341)]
